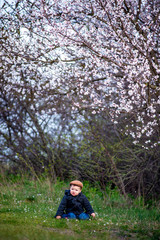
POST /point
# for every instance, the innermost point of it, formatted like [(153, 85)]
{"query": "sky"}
[(9, 1)]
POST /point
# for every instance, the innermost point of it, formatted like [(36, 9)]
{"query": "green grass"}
[(27, 210)]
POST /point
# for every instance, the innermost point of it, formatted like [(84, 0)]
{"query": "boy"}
[(74, 203)]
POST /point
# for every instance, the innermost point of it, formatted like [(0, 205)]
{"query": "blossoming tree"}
[(115, 47), (80, 56), (109, 56)]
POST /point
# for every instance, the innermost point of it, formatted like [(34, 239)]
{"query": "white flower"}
[(93, 112)]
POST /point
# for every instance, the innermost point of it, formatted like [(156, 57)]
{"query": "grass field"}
[(27, 210)]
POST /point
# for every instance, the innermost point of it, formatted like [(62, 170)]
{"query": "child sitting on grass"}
[(75, 204)]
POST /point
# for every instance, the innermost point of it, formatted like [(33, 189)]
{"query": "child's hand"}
[(93, 214), (58, 217)]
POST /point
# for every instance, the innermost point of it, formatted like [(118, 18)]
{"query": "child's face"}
[(75, 190)]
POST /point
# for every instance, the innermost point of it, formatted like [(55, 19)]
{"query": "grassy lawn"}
[(27, 210)]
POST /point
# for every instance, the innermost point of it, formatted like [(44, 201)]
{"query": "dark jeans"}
[(82, 216)]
